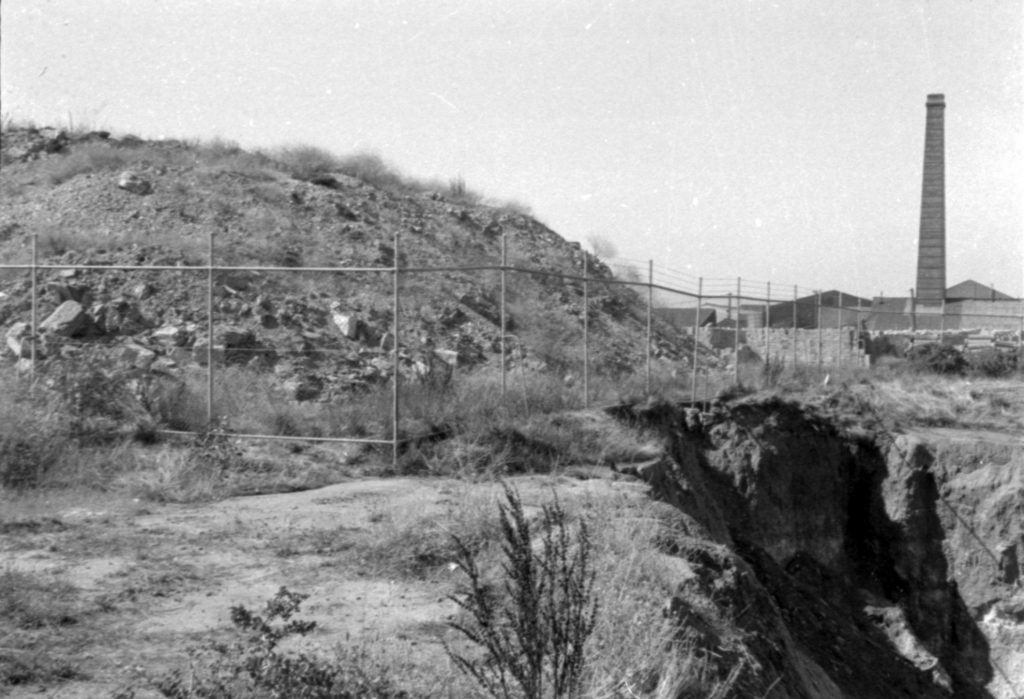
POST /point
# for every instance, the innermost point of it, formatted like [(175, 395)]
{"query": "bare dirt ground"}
[(150, 581)]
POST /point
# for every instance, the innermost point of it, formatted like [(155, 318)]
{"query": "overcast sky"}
[(777, 141)]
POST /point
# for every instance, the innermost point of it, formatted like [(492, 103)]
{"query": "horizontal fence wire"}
[(740, 301)]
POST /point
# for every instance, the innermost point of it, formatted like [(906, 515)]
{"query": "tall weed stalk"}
[(533, 632)]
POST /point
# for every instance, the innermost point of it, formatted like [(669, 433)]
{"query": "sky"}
[(779, 141)]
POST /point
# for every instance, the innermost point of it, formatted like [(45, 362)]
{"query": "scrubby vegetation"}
[(254, 664), (534, 634)]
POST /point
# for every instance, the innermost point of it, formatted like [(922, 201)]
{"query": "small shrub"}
[(938, 359), (372, 169), (29, 602), (993, 363), (34, 434), (460, 193), (89, 157), (534, 634), (306, 162), (254, 665)]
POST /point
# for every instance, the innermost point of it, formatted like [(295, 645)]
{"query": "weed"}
[(534, 635), (33, 435), (255, 665), (305, 162), (29, 602), (373, 170), (86, 158), (994, 363), (461, 194), (415, 547), (33, 610)]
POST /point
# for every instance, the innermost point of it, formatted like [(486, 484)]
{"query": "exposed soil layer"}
[(893, 560)]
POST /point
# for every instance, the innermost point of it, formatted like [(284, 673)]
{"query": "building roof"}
[(684, 317), (971, 289)]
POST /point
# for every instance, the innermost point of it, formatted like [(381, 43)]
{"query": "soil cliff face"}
[(876, 564)]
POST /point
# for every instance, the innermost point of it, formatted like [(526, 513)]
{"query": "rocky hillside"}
[(92, 199)]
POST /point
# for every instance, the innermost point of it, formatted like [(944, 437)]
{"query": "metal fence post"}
[(736, 336), (767, 325), (820, 339), (209, 333), (839, 331), (795, 324), (586, 330), (696, 330), (395, 366), (35, 310), (1020, 344), (650, 303), (504, 270)]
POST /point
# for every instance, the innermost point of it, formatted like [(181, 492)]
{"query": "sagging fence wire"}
[(755, 311)]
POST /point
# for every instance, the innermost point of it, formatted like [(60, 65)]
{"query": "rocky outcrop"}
[(893, 561)]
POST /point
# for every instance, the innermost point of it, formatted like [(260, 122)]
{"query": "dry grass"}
[(36, 612)]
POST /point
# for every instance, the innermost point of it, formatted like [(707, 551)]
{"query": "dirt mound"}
[(95, 200)]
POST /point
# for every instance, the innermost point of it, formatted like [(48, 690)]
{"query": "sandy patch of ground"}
[(158, 579)]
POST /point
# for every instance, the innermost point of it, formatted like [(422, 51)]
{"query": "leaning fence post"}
[(209, 332), (696, 329), (650, 303), (586, 330), (395, 366), (504, 268)]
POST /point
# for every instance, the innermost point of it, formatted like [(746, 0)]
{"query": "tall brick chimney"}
[(931, 253)]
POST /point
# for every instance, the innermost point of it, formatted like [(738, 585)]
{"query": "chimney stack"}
[(931, 254)]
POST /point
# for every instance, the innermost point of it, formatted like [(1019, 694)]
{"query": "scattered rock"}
[(68, 320), (143, 291), (201, 350), (170, 336), (70, 292), (347, 323), (132, 182), (19, 340), (304, 388), (137, 356)]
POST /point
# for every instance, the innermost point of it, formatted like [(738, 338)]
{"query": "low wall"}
[(834, 346)]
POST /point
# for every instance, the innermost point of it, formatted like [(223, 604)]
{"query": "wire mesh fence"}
[(671, 324)]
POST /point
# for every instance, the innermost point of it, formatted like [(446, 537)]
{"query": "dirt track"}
[(159, 579)]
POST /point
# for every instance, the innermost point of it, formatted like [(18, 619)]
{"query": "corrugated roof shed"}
[(971, 289), (780, 315)]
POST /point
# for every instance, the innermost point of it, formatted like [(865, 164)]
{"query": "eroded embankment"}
[(846, 564)]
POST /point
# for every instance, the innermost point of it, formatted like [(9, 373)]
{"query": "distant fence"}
[(739, 321)]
